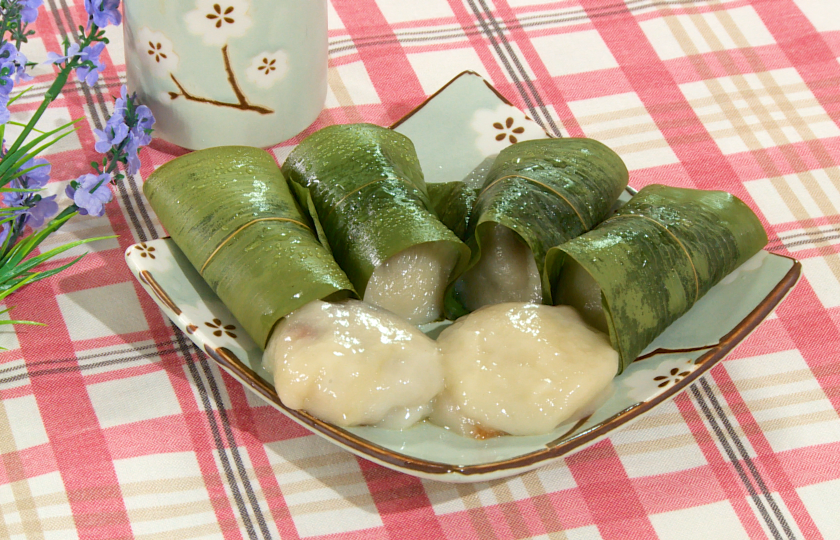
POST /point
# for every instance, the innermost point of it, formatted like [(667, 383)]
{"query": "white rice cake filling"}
[(353, 364), (506, 271), (413, 282), (521, 369)]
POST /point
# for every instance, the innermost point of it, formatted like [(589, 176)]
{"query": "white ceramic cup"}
[(228, 72)]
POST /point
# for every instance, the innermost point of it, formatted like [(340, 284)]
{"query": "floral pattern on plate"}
[(646, 383), (501, 127)]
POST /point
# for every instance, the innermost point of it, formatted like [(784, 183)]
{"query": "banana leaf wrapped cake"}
[(537, 194), (364, 186), (230, 210), (649, 263)]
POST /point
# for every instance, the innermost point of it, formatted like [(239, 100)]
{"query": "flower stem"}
[(54, 90)]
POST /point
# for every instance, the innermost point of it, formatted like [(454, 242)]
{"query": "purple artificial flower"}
[(4, 231), (90, 192), (44, 208), (103, 12), (12, 63), (29, 10), (121, 103), (91, 52), (14, 199), (114, 133), (5, 115), (34, 209), (90, 55), (89, 74), (132, 160), (8, 67), (38, 176), (55, 58), (142, 131), (126, 131), (20, 69), (91, 66)]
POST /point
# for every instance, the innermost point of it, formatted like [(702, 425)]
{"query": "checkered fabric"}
[(112, 425)]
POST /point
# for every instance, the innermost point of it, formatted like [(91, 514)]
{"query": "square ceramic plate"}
[(456, 132)]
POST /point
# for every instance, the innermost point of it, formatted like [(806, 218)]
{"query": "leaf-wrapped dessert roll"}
[(366, 189), (646, 265), (537, 194), (231, 212)]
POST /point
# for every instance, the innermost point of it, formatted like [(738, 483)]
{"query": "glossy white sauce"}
[(521, 369), (413, 282), (506, 271), (352, 364)]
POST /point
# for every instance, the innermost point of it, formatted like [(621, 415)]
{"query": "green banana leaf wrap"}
[(657, 255), (453, 202), (548, 191), (231, 212), (369, 196)]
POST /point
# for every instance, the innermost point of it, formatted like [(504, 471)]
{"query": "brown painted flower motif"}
[(216, 21), (220, 15), (219, 329), (155, 50), (674, 376), (508, 130), (266, 68), (159, 57), (267, 65), (145, 251)]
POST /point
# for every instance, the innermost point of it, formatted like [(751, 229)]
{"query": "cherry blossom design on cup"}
[(216, 21), (267, 68), (160, 57)]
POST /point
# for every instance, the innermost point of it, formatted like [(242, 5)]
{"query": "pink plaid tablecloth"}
[(112, 425)]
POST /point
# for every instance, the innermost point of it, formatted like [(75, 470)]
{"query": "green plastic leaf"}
[(548, 191), (656, 256), (28, 244), (17, 156), (231, 212), (368, 193)]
